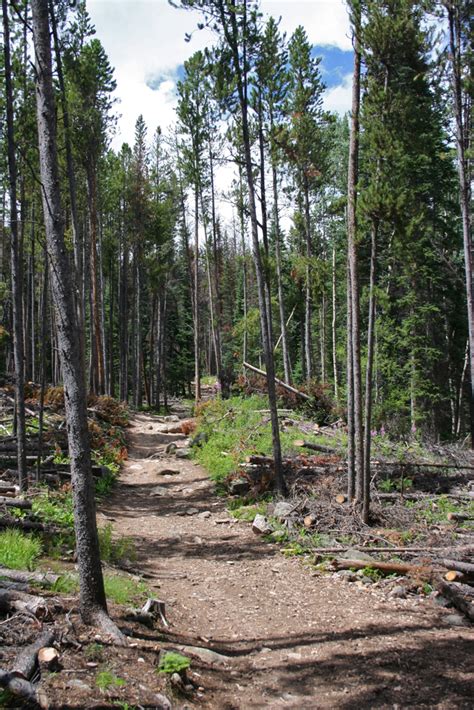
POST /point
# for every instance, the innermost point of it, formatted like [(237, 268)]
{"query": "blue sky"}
[(335, 65)]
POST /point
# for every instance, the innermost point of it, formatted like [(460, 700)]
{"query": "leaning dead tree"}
[(92, 595)]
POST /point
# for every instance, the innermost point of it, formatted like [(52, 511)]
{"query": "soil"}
[(285, 635)]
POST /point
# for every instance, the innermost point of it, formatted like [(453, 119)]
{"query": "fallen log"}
[(387, 567), (15, 503), (301, 443), (459, 517), (423, 496), (9, 521), (422, 464), (26, 661), (22, 689), (12, 601), (303, 395), (460, 595), (464, 567), (28, 577), (398, 550)]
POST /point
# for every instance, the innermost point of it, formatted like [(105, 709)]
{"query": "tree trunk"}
[(16, 261), (353, 263), (197, 352), (98, 380), (232, 36), (333, 328), (369, 375), (92, 596), (281, 300), (308, 346), (463, 122)]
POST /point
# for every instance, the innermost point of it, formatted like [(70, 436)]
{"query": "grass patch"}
[(18, 550), (114, 551), (124, 590), (106, 680), (241, 511)]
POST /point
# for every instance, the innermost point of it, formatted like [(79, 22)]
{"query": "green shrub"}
[(18, 550), (173, 662)]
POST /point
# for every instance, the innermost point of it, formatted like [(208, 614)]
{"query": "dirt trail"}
[(289, 638)]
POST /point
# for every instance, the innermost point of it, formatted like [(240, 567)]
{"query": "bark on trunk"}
[(353, 264), (16, 261), (92, 595), (463, 120)]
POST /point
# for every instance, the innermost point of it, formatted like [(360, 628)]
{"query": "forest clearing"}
[(236, 357)]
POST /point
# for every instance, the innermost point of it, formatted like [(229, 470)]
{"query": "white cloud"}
[(146, 38), (339, 98)]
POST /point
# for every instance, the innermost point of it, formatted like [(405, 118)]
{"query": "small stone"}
[(182, 453), (162, 702), (398, 592), (140, 660), (283, 510), (176, 680), (347, 575), (171, 418), (197, 540), (260, 525), (78, 685), (189, 688), (159, 491), (167, 472), (454, 620), (205, 514), (192, 511), (171, 448)]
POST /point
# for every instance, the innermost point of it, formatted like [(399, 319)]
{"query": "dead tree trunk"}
[(16, 261), (92, 596)]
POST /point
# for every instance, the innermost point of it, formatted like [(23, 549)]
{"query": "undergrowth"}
[(236, 428), (19, 550)]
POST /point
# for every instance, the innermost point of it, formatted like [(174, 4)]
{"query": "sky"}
[(145, 43)]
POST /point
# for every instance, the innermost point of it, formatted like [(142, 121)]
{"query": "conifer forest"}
[(236, 354)]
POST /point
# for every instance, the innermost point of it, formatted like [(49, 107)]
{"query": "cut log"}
[(340, 498), (301, 443), (459, 517), (8, 521), (46, 578), (12, 601), (398, 550), (303, 395), (15, 503), (454, 576), (387, 567), (466, 569), (460, 595), (48, 659), (26, 661), (309, 521), (259, 460)]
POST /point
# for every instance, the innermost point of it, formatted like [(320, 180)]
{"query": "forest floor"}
[(284, 635)]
